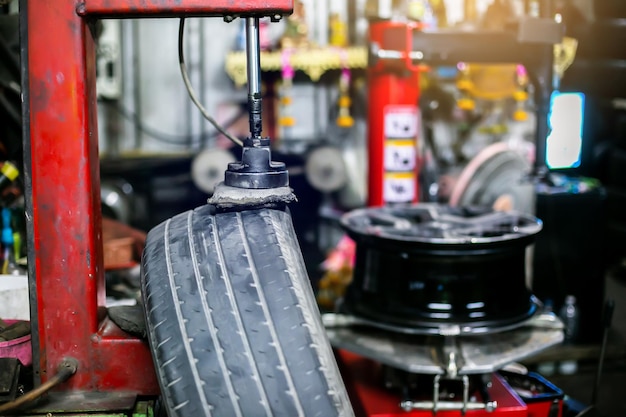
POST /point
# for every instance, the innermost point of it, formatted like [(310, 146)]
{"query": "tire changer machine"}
[(438, 305), (85, 363)]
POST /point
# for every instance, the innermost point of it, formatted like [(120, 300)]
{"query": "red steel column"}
[(393, 118), (63, 210), (68, 311)]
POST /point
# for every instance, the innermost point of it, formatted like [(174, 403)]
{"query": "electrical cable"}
[(191, 91), (170, 139), (65, 370)]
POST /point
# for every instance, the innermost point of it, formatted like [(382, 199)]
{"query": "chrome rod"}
[(253, 54)]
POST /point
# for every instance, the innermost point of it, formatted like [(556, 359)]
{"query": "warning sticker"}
[(400, 155), (401, 122), (399, 187)]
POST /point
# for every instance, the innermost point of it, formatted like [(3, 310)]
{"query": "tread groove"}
[(179, 315), (268, 319), (232, 320), (207, 315), (240, 328)]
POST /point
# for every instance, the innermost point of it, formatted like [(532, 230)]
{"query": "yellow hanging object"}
[(338, 31), (9, 170), (287, 121), (464, 84), (286, 118), (345, 119), (520, 115), (466, 103), (521, 95)]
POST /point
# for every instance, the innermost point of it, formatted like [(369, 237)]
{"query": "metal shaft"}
[(253, 54)]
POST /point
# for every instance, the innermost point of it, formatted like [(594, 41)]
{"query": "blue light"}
[(566, 118)]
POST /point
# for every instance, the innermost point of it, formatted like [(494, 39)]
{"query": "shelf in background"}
[(314, 62)]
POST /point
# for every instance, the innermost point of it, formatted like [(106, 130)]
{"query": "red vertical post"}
[(63, 214), (63, 210), (393, 116)]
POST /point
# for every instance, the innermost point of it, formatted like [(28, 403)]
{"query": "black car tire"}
[(232, 321)]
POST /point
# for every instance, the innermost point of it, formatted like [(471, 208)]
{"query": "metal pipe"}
[(204, 139), (65, 370), (253, 54), (435, 406), (136, 80)]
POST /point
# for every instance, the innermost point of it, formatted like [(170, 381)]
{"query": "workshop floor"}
[(611, 394)]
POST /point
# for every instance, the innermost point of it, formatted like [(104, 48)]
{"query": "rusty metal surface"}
[(63, 211), (168, 8)]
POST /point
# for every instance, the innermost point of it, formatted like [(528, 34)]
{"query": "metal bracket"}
[(436, 405)]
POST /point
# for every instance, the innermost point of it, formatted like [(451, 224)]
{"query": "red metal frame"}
[(392, 84), (370, 398), (63, 198), (152, 8)]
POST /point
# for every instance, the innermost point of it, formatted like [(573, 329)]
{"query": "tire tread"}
[(227, 300)]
